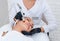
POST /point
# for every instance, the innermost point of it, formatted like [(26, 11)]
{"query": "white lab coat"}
[(40, 11)]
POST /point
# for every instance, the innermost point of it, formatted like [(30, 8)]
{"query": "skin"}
[(29, 3), (24, 25)]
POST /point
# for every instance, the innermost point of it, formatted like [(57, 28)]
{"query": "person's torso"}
[(35, 12)]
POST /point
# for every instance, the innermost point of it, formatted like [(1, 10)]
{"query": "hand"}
[(42, 29), (4, 33)]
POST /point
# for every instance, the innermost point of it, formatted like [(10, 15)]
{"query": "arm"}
[(12, 10), (48, 18)]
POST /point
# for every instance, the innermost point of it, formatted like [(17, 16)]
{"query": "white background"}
[(55, 6)]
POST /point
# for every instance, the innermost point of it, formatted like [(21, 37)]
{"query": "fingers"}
[(29, 20), (4, 33), (42, 29)]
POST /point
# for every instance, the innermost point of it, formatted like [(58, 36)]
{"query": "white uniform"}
[(40, 11), (15, 36)]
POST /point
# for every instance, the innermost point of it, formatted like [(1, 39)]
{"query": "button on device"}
[(23, 13)]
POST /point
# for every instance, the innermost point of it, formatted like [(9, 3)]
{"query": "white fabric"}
[(0, 38), (40, 37), (5, 28), (15, 36), (40, 11)]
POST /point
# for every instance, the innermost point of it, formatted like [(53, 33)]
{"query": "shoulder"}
[(41, 2), (13, 36), (9, 36)]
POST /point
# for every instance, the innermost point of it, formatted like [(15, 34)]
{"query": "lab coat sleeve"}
[(48, 18), (12, 10)]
